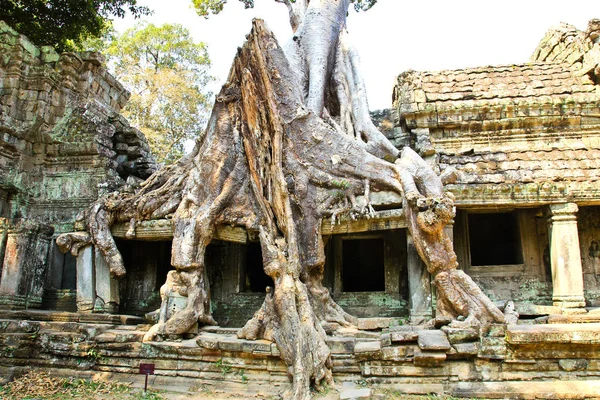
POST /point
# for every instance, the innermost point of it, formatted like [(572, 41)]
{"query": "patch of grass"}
[(41, 385)]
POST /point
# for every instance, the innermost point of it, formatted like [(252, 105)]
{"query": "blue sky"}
[(395, 35)]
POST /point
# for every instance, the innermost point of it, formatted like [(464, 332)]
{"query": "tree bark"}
[(289, 143)]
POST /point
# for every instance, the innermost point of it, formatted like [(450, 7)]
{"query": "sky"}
[(395, 35)]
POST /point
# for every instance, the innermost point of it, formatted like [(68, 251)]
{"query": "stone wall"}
[(553, 360)]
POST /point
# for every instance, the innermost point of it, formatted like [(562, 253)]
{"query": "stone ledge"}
[(559, 390), (554, 333)]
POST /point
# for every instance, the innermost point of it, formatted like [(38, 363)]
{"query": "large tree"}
[(65, 24), (290, 142), (166, 72)]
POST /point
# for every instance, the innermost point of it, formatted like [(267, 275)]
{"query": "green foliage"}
[(206, 7), (166, 73), (225, 368), (65, 24)]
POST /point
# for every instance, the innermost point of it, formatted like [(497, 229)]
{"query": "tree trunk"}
[(280, 153)]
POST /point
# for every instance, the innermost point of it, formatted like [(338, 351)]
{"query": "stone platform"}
[(516, 361)]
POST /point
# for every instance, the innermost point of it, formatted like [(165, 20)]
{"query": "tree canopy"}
[(166, 73), (206, 7), (64, 24)]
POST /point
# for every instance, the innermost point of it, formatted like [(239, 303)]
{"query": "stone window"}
[(494, 239), (363, 265)]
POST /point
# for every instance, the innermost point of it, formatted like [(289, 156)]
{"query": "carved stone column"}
[(107, 288), (86, 285), (419, 285), (25, 245), (565, 257)]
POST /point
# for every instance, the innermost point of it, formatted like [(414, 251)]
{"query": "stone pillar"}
[(107, 288), (4, 224), (419, 285), (25, 251), (86, 285), (565, 257), (38, 266)]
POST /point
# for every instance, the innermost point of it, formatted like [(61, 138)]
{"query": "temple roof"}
[(530, 82)]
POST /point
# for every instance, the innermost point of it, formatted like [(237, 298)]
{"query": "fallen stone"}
[(433, 340)]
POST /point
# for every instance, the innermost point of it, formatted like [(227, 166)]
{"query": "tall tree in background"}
[(166, 73), (65, 24)]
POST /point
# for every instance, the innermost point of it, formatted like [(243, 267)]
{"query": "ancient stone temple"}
[(516, 145), (523, 143), (62, 144)]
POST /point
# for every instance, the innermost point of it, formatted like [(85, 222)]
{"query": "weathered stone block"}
[(373, 323), (433, 340), (398, 353), (457, 335), (341, 345), (571, 365), (497, 330), (404, 334), (492, 348), (368, 350), (429, 358), (367, 347), (466, 349), (386, 340)]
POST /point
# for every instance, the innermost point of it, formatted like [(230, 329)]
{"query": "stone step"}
[(559, 389)]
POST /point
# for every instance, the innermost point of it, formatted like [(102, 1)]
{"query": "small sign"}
[(147, 369)]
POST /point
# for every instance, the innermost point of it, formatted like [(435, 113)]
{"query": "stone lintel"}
[(162, 229), (554, 333)]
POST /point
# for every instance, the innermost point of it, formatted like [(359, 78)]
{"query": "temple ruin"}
[(516, 145)]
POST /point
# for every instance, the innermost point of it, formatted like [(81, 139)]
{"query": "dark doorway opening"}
[(255, 279), (494, 239), (147, 264), (363, 265)]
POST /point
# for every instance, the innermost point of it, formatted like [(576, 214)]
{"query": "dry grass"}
[(38, 384)]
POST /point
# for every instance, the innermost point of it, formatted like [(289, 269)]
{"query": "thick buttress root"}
[(428, 209), (268, 163)]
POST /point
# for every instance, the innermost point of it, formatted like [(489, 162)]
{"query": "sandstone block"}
[(386, 340), (429, 358), (367, 347), (457, 335), (571, 365), (433, 340), (341, 345), (466, 349), (373, 323), (397, 353)]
